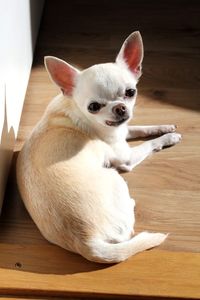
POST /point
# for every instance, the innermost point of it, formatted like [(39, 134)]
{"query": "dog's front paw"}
[(162, 129), (167, 140), (171, 139)]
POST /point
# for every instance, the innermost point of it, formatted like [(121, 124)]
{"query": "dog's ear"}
[(61, 73), (131, 53)]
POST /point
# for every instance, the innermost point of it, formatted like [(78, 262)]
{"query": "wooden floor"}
[(166, 186)]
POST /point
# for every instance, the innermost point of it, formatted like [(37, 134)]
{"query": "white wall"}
[(19, 24)]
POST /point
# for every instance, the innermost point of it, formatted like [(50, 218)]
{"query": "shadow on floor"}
[(171, 42), (185, 98)]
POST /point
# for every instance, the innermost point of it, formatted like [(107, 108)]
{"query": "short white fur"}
[(66, 170)]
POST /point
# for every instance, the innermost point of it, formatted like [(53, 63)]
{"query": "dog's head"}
[(104, 93)]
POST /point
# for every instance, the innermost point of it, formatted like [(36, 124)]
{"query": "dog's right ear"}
[(131, 53), (61, 73)]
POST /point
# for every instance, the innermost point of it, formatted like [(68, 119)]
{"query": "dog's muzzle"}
[(120, 111), (121, 115)]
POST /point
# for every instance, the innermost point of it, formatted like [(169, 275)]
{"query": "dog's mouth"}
[(116, 123)]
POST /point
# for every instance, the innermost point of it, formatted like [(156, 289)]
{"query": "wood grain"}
[(153, 273), (166, 186)]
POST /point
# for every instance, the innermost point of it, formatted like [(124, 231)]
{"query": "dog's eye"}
[(94, 107), (130, 93)]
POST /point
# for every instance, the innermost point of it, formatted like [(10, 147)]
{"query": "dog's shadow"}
[(22, 246)]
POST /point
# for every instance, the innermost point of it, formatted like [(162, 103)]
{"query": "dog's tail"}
[(104, 252)]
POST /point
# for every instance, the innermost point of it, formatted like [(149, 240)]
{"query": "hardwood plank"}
[(166, 274)]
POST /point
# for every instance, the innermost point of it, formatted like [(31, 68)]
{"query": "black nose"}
[(119, 110)]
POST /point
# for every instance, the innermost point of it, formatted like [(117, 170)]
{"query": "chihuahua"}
[(67, 169)]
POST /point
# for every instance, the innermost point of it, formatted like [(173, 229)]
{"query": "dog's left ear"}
[(131, 53), (61, 73)]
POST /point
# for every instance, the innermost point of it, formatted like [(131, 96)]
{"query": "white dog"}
[(66, 169)]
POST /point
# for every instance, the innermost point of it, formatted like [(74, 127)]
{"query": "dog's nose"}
[(119, 110)]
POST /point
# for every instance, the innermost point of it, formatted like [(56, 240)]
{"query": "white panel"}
[(19, 23), (6, 145)]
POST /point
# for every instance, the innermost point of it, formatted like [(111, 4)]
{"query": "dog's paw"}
[(159, 130), (171, 139), (167, 140), (125, 168), (162, 129)]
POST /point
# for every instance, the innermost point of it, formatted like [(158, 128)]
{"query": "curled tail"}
[(104, 252)]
